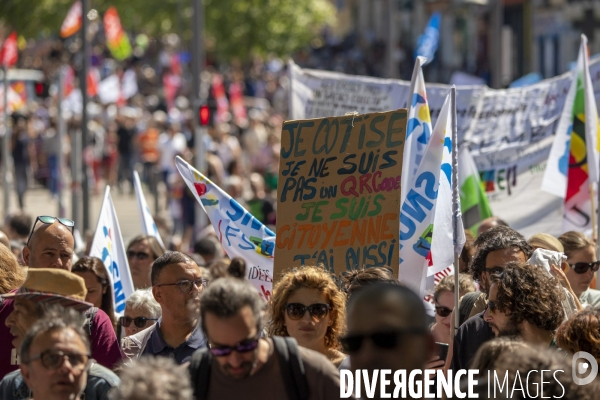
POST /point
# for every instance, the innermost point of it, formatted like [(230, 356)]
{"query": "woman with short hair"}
[(308, 306), (141, 312)]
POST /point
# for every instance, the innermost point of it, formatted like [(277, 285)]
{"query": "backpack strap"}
[(292, 368), (466, 305), (200, 372)]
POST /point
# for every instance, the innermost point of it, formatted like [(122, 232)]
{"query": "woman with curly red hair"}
[(581, 333), (308, 306)]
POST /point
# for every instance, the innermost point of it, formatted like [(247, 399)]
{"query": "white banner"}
[(240, 234), (108, 246), (510, 131)]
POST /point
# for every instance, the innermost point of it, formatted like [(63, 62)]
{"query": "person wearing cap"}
[(56, 362), (45, 286)]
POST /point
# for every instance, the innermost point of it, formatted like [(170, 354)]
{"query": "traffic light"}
[(204, 115), (41, 90)]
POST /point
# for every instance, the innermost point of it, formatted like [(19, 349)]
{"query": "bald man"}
[(50, 246), (387, 329)]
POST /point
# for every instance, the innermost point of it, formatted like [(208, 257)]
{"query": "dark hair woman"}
[(99, 293)]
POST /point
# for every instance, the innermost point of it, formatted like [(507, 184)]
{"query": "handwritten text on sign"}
[(339, 191)]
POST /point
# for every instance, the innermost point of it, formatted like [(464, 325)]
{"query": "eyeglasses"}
[(140, 255), (296, 310), (383, 340), (52, 359), (491, 306), (140, 322), (45, 219), (582, 267), (443, 311), (187, 286), (242, 347)]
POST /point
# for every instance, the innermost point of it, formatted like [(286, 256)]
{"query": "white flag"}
[(418, 208), (418, 128), (448, 233), (109, 89), (148, 225), (108, 246), (240, 234)]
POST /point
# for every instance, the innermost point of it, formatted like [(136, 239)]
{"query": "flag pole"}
[(593, 206), (455, 208)]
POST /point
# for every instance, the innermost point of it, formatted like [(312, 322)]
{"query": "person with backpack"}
[(239, 363)]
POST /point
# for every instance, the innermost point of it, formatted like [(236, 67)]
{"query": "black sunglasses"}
[(48, 220), (140, 255), (582, 267), (383, 340), (140, 322), (242, 347), (442, 311), (491, 306), (296, 310)]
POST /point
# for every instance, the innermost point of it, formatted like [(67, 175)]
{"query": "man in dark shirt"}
[(176, 285), (496, 247)]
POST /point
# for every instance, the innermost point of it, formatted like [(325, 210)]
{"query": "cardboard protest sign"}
[(338, 196)]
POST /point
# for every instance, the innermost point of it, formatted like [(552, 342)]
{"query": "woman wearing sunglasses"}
[(443, 298), (308, 306), (141, 253), (95, 275), (582, 263), (141, 312)]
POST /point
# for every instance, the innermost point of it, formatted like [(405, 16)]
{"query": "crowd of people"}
[(198, 329)]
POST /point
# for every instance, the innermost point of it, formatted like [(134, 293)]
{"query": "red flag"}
[(72, 22), (116, 38), (218, 90), (92, 82), (9, 54)]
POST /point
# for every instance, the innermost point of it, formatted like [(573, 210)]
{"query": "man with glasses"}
[(50, 246), (56, 362), (525, 302), (496, 247), (387, 329), (241, 364), (176, 285)]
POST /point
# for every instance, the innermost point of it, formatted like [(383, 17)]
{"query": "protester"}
[(12, 275), (235, 268), (358, 278), (97, 283), (19, 226), (467, 252), (208, 248), (387, 329), (545, 241), (176, 285), (157, 378), (307, 305), (239, 362), (141, 312), (51, 246), (46, 286), (496, 247), (45, 373), (443, 298), (525, 302), (581, 333), (141, 252), (582, 263)]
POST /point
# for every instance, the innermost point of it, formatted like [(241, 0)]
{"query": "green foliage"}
[(234, 28)]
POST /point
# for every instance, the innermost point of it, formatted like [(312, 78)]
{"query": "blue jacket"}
[(100, 380)]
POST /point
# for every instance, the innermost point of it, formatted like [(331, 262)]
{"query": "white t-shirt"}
[(170, 147)]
